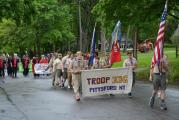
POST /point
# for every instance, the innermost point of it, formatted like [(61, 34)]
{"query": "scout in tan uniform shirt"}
[(76, 67), (158, 76), (104, 61), (65, 67), (51, 67), (58, 66), (130, 62)]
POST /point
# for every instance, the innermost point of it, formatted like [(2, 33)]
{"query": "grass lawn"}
[(21, 68), (144, 60)]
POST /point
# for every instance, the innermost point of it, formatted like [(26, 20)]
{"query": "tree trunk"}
[(103, 41), (80, 28), (85, 42), (110, 44), (125, 45), (54, 47), (35, 51), (135, 43), (37, 43)]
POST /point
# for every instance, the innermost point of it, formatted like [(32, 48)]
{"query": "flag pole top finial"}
[(166, 3)]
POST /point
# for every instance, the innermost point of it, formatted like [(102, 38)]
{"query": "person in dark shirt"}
[(35, 60), (14, 63), (2, 66), (25, 62), (9, 65)]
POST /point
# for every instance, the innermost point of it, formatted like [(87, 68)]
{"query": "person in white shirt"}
[(130, 62)]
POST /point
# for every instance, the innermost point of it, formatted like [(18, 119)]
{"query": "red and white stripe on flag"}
[(158, 51)]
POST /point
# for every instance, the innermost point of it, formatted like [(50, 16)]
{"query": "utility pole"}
[(80, 28), (103, 40)]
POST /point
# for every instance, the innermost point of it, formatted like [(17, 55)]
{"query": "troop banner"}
[(106, 81), (41, 68)]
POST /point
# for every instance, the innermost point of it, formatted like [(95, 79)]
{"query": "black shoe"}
[(163, 106), (62, 85), (130, 95), (151, 102)]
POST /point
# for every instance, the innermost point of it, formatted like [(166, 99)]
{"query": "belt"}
[(163, 73)]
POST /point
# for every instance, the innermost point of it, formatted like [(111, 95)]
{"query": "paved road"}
[(30, 99)]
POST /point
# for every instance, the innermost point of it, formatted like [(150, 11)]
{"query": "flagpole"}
[(166, 5), (93, 46), (159, 44), (93, 35)]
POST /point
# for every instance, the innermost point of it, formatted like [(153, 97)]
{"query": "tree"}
[(144, 15), (52, 23), (49, 25)]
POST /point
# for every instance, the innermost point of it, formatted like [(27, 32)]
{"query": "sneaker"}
[(111, 95), (151, 102), (77, 97), (163, 106), (57, 84), (130, 95), (53, 83), (69, 87), (62, 85)]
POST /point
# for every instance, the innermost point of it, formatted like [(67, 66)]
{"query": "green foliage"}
[(145, 15), (17, 38), (175, 37), (36, 23), (52, 20)]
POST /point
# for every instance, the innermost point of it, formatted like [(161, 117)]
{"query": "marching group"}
[(69, 67)]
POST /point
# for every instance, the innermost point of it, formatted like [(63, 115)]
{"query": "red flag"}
[(115, 53)]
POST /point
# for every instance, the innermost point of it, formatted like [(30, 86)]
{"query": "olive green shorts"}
[(59, 72), (159, 81)]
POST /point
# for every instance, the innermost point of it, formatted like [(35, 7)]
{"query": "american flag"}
[(158, 51)]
